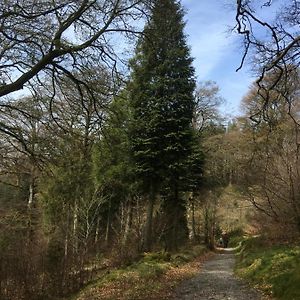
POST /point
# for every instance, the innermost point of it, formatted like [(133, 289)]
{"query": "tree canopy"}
[(162, 97), (45, 40)]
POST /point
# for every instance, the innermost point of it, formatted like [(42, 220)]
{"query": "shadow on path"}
[(216, 281)]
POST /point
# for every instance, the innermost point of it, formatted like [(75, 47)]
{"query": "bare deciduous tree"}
[(274, 42), (48, 38), (208, 101)]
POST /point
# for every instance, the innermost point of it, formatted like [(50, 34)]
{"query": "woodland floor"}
[(209, 277), (216, 281)]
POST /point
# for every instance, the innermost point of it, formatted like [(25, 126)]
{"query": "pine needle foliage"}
[(162, 99)]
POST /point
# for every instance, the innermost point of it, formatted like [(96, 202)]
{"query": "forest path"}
[(216, 281)]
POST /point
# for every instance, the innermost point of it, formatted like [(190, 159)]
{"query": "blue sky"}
[(216, 51)]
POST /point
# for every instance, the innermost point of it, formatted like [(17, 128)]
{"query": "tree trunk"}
[(97, 230), (193, 233), (209, 227), (75, 226), (147, 245), (176, 233), (107, 231), (128, 223), (206, 226), (30, 202), (31, 194), (67, 233)]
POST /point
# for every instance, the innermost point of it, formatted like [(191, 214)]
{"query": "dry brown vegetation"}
[(144, 281)]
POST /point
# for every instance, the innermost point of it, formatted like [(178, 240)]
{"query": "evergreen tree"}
[(113, 169), (162, 100)]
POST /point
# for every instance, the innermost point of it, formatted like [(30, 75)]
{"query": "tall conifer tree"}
[(162, 100)]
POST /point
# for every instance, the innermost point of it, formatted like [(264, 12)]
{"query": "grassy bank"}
[(153, 277), (275, 269)]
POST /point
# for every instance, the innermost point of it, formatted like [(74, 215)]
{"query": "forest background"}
[(98, 162)]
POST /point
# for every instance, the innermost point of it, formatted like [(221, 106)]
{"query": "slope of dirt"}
[(216, 281)]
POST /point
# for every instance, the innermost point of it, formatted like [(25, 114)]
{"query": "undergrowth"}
[(149, 278), (273, 268), (235, 238)]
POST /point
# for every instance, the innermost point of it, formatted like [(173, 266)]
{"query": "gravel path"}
[(217, 282)]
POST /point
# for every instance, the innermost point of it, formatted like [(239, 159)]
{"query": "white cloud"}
[(216, 52), (207, 23), (209, 48)]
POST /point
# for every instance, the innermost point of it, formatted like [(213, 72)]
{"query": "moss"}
[(275, 268), (161, 256), (141, 278)]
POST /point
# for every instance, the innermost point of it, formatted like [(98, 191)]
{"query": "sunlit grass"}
[(275, 269)]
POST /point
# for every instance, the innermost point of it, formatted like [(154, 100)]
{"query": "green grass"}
[(273, 268)]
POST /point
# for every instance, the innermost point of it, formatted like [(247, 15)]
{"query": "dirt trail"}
[(216, 281)]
